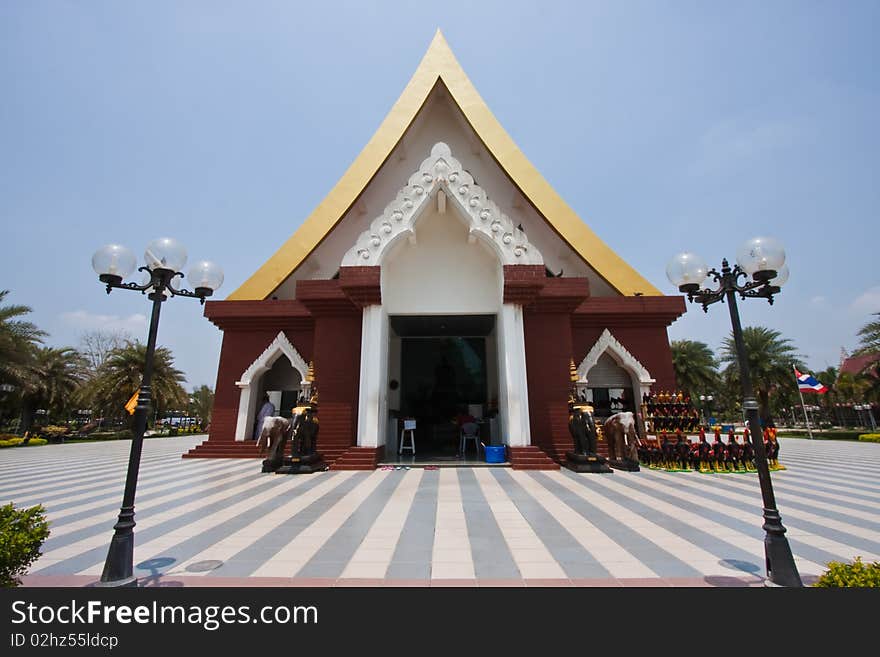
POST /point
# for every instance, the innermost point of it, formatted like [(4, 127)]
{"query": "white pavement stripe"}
[(613, 556), (837, 483), (293, 556), (841, 550), (696, 557), (60, 528), (451, 556), (90, 491), (374, 554), (146, 520), (156, 546), (529, 553), (745, 542), (785, 489), (832, 480), (231, 545), (74, 455)]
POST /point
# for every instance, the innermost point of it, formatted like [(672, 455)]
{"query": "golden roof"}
[(439, 63)]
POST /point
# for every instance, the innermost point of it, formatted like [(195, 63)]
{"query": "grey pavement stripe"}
[(862, 468), (112, 503), (830, 477), (807, 551), (412, 555), (793, 521), (491, 556), (751, 529), (574, 559), (59, 467), (190, 547), (146, 494), (49, 473), (658, 559), (89, 557), (805, 498), (100, 451), (868, 501), (847, 452), (82, 494), (99, 485), (248, 559), (718, 547), (866, 474), (338, 550)]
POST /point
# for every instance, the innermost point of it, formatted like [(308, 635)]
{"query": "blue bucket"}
[(494, 453)]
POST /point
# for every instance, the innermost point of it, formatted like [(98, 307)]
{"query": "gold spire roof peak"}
[(439, 62)]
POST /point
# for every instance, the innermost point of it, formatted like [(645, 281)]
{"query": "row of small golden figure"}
[(663, 397)]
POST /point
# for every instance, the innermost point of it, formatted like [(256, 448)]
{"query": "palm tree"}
[(695, 367), (869, 337), (201, 403), (17, 337), (50, 380), (770, 359), (120, 376)]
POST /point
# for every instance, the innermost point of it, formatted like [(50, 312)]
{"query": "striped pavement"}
[(221, 522)]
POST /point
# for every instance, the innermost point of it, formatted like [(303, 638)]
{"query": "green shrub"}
[(870, 438), (22, 532), (850, 575), (18, 441), (125, 434), (54, 431)]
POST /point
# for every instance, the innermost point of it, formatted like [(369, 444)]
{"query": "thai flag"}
[(806, 383)]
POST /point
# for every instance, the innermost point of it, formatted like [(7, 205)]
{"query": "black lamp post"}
[(164, 259), (764, 260), (706, 407)]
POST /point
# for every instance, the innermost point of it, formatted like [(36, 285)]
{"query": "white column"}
[(512, 385), (373, 389), (246, 402)]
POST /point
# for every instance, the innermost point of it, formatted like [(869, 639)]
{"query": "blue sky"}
[(666, 125)]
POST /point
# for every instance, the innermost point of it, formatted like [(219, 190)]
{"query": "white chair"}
[(469, 431), (409, 427)]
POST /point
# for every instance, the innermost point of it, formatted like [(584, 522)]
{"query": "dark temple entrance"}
[(447, 366)]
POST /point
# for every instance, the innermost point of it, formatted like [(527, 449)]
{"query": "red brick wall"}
[(240, 349), (337, 374), (649, 344), (548, 352)]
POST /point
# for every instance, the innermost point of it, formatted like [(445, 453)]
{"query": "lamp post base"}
[(781, 569), (128, 582)]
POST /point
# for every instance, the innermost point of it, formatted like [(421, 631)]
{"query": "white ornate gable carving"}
[(441, 171), (280, 345), (607, 342)]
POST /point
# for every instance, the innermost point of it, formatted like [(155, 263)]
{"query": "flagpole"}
[(803, 406)]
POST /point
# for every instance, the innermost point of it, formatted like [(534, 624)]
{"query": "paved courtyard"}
[(221, 522)]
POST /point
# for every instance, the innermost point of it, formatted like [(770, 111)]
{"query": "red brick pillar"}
[(337, 354), (548, 356)]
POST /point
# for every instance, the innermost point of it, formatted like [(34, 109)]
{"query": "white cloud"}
[(819, 301), (82, 320), (732, 141), (867, 302)]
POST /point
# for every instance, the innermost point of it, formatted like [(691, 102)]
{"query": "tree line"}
[(53, 385), (771, 359)]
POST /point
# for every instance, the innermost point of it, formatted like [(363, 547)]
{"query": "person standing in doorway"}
[(266, 410)]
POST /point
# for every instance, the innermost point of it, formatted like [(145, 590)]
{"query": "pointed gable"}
[(439, 65)]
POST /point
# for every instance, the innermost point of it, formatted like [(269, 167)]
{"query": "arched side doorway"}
[(614, 378), (442, 245), (268, 372)]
